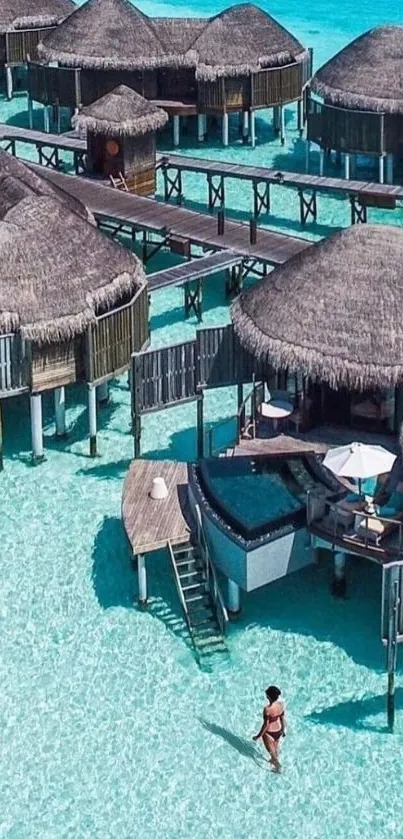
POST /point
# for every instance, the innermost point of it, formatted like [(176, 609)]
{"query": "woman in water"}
[(273, 725)]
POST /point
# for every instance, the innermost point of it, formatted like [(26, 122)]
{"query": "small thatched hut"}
[(239, 60), (361, 89), (73, 303), (333, 315), (23, 23), (120, 129)]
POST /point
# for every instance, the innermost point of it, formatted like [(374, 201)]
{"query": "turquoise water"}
[(253, 496), (109, 729)]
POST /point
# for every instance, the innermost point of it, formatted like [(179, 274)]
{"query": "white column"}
[(36, 426), (321, 162), (46, 119), (282, 124), (103, 393), (382, 169), (9, 82), (347, 166), (200, 128), (339, 579), (252, 124), (92, 419), (234, 598), (30, 113), (245, 125), (176, 130), (307, 154), (225, 130), (389, 168), (60, 412), (141, 568)]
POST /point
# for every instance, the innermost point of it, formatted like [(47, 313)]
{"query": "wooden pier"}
[(361, 194), (47, 145), (176, 227)]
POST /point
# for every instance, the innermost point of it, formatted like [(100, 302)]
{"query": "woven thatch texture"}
[(242, 40), (106, 35), (29, 14), (123, 111), (179, 33), (24, 176), (334, 311), (55, 268), (367, 74)]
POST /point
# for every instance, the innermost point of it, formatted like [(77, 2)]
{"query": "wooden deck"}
[(150, 524), (47, 145), (166, 220), (194, 270)]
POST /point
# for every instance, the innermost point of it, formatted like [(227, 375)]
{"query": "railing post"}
[(200, 426)]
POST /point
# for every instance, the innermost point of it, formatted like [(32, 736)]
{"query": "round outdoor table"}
[(276, 410)]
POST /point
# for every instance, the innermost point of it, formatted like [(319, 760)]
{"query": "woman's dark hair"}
[(273, 693)]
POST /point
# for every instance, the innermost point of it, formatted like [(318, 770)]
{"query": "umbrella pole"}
[(359, 486)]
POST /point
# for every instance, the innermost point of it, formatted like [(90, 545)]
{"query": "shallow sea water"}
[(109, 729)]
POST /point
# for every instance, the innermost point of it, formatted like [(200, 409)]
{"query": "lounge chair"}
[(388, 517), (343, 512)]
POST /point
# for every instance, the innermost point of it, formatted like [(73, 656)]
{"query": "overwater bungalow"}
[(22, 25), (73, 303), (359, 110), (238, 61), (120, 129)]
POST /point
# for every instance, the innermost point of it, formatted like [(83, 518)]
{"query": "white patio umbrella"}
[(359, 460)]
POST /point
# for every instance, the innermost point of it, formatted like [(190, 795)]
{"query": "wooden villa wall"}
[(177, 83), (21, 43), (139, 164), (346, 130), (269, 87), (54, 85), (177, 373), (53, 365), (14, 369), (2, 49), (115, 336), (96, 83)]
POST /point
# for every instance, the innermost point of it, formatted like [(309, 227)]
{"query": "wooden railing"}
[(333, 127), (115, 336), (14, 368)]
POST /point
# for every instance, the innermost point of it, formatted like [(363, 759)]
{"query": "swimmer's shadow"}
[(244, 747), (353, 713)]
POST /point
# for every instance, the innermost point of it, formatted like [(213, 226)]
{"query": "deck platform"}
[(194, 270), (47, 145), (151, 524), (132, 212)]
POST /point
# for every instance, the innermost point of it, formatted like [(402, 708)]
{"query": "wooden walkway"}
[(361, 193), (151, 524), (43, 142), (194, 270), (169, 222)]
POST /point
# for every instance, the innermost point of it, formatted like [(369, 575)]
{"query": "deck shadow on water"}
[(353, 713)]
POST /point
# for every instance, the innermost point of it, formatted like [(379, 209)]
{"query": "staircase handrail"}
[(211, 575), (237, 417), (179, 587)]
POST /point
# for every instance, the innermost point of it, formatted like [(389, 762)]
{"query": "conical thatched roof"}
[(366, 74), (30, 14), (113, 34), (334, 311), (123, 111), (56, 270), (106, 35), (18, 175), (241, 40)]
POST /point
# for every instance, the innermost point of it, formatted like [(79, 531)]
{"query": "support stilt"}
[(347, 167), (321, 162), (103, 394), (276, 119), (60, 412), (300, 117), (339, 579), (46, 119), (1, 438), (394, 604), (307, 155), (245, 126), (282, 124), (389, 168), (30, 112), (142, 575), (92, 419), (36, 427), (176, 126), (382, 169), (225, 129), (234, 599), (200, 426), (252, 123), (9, 82), (200, 128)]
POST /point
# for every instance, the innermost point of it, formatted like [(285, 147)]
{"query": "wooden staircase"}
[(202, 603)]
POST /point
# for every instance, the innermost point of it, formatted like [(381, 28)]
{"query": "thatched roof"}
[(334, 311), (113, 34), (123, 111), (106, 35), (31, 14), (56, 270), (367, 74), (13, 171), (242, 40)]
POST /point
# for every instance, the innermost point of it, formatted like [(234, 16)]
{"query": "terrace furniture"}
[(277, 409), (374, 526)]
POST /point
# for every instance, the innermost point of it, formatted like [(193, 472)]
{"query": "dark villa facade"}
[(359, 104), (238, 61)]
